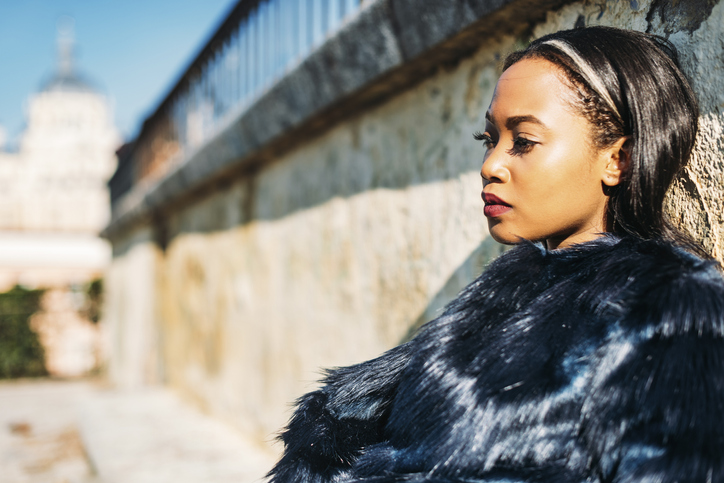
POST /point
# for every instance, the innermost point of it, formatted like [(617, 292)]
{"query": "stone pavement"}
[(80, 432), (39, 438)]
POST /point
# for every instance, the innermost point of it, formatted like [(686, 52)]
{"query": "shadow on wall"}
[(469, 270), (696, 27)]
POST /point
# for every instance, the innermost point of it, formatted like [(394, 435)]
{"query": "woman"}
[(594, 350)]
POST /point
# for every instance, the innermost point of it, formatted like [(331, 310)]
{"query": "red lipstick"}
[(494, 206)]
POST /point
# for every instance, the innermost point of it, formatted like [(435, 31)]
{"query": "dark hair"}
[(652, 103)]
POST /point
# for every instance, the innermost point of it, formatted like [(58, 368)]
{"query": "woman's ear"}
[(618, 158)]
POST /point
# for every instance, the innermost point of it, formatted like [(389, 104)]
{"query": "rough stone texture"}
[(675, 16), (697, 201), (329, 253)]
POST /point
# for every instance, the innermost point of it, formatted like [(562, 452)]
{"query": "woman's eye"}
[(521, 145), (485, 138)]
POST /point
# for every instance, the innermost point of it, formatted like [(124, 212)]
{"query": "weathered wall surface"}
[(332, 252), (130, 313), (328, 256), (697, 201)]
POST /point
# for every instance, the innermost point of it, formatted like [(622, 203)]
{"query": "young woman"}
[(594, 350)]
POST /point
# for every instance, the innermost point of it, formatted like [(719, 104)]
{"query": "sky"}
[(133, 50)]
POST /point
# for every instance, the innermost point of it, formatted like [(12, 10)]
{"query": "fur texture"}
[(603, 362)]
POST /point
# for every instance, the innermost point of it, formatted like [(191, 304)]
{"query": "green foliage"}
[(21, 354), (93, 300)]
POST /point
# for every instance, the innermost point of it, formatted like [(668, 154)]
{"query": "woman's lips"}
[(494, 206), (494, 211)]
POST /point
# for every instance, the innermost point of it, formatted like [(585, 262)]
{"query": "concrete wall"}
[(329, 253), (130, 311)]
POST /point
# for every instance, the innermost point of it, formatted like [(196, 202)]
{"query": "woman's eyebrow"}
[(513, 121)]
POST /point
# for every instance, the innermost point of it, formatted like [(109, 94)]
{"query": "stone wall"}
[(329, 255), (130, 311), (333, 250)]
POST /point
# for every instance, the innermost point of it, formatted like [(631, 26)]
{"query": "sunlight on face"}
[(542, 177)]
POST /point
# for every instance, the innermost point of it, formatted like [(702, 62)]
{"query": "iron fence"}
[(256, 44)]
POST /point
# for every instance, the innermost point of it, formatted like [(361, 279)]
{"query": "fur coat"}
[(601, 362)]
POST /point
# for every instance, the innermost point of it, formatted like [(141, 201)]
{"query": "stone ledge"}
[(387, 47)]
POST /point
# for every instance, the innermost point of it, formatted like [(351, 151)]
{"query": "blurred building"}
[(53, 194), (309, 191), (53, 203)]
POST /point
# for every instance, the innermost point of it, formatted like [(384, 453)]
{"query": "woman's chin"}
[(502, 235)]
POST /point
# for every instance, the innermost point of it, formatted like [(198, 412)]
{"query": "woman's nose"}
[(493, 169)]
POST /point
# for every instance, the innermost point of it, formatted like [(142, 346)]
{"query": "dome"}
[(66, 79), (66, 82)]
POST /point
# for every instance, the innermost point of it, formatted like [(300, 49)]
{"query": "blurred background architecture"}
[(53, 203), (54, 198)]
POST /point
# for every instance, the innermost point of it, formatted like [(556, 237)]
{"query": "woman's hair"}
[(629, 83)]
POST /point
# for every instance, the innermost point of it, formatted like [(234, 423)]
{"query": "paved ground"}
[(39, 438), (80, 432)]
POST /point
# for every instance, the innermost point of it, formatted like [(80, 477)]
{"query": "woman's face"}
[(543, 179)]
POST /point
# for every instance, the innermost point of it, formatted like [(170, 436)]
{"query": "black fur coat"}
[(602, 362)]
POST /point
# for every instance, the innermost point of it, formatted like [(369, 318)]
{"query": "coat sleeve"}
[(331, 427), (656, 412)]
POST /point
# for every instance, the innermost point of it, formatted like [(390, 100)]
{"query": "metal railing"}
[(256, 44)]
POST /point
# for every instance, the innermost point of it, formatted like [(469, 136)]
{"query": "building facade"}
[(54, 201), (53, 194)]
